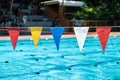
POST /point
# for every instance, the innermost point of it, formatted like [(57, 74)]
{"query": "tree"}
[(100, 9)]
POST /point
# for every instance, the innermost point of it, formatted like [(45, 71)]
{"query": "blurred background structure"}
[(46, 13)]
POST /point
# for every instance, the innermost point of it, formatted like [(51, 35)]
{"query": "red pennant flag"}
[(103, 34), (14, 33)]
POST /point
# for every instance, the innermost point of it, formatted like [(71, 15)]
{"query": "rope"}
[(6, 29)]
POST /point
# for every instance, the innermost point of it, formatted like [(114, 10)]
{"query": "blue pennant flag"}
[(57, 33)]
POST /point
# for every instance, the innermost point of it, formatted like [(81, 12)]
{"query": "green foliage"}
[(99, 9), (84, 12)]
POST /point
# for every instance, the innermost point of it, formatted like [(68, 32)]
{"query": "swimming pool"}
[(46, 63)]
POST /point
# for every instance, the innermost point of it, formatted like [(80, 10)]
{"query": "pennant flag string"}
[(14, 33), (81, 34), (103, 34), (57, 33), (36, 32)]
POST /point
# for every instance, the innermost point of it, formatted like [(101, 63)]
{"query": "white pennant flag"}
[(81, 34)]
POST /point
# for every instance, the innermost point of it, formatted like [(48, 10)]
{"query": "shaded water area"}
[(46, 63)]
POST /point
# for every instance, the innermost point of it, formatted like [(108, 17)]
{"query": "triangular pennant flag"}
[(81, 34), (14, 33), (103, 34), (57, 33), (36, 33)]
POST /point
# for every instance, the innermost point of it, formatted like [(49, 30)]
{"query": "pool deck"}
[(68, 35)]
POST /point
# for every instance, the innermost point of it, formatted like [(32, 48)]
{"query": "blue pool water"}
[(46, 63)]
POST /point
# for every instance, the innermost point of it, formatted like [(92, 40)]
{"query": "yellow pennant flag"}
[(36, 32)]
